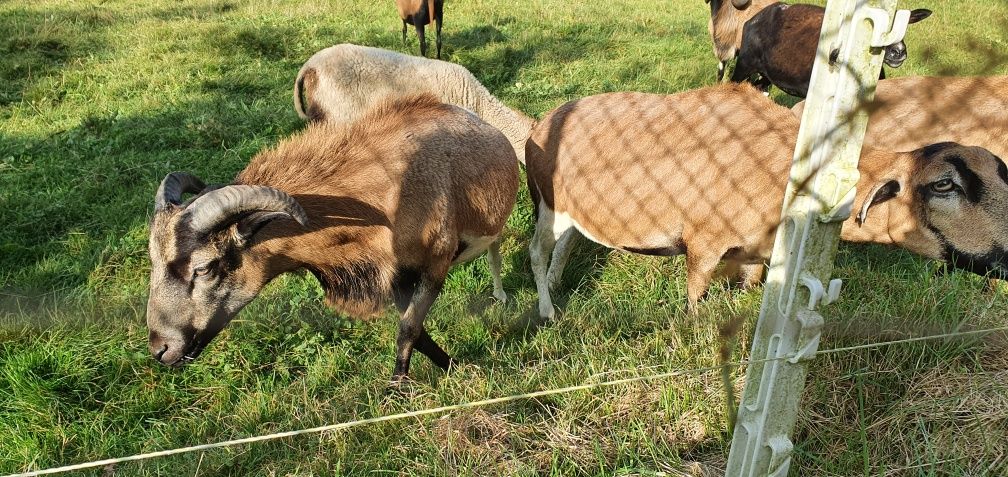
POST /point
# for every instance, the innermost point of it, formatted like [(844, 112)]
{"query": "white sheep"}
[(339, 83)]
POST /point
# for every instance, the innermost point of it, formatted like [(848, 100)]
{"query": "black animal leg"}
[(439, 14), (404, 32), (411, 330), (418, 22)]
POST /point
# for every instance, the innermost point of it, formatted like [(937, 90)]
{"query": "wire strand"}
[(473, 404)]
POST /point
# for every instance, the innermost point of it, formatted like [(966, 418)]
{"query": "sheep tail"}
[(304, 88), (299, 104)]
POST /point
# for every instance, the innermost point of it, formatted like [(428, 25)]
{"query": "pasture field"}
[(99, 100)]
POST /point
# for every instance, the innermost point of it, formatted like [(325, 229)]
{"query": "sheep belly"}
[(471, 247)]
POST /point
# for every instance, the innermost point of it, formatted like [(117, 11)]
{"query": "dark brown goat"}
[(375, 210), (779, 45), (420, 13)]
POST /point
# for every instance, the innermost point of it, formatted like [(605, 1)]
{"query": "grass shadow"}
[(36, 45)]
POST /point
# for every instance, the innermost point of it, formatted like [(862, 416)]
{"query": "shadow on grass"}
[(38, 44)]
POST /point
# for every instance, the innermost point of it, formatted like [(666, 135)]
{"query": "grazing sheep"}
[(779, 44), (725, 27), (420, 13), (381, 208), (703, 173), (341, 82), (914, 111)]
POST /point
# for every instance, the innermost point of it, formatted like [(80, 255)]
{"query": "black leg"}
[(743, 70), (426, 345), (419, 24), (439, 15), (404, 32), (411, 330)]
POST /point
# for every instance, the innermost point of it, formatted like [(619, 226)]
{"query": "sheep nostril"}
[(161, 353)]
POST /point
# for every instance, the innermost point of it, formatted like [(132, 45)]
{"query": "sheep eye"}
[(202, 270), (944, 185)]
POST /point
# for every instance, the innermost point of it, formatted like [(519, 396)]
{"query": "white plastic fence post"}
[(829, 145)]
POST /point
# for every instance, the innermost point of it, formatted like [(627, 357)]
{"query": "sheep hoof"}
[(500, 296), (400, 385), (547, 312)]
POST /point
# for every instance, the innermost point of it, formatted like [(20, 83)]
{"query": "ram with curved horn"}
[(377, 210)]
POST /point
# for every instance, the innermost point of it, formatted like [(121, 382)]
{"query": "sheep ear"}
[(919, 14), (881, 193), (247, 227)]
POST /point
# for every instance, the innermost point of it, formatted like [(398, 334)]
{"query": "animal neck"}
[(345, 248)]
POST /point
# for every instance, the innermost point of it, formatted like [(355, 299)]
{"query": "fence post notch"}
[(832, 130)]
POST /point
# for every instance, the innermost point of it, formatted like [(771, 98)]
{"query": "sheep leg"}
[(438, 13), (720, 71), (419, 22), (745, 275), (494, 259), (699, 272), (751, 275), (411, 330), (561, 254), (543, 241), (404, 31), (743, 70)]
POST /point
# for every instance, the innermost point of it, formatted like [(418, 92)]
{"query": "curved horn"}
[(740, 4), (227, 204), (173, 186)]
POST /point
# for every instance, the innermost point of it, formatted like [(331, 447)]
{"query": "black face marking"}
[(677, 248), (989, 263), (973, 185), (978, 264), (1002, 169), (936, 148), (186, 243)]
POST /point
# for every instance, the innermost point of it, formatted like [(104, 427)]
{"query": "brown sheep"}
[(703, 173), (420, 13), (914, 111), (376, 210), (725, 27)]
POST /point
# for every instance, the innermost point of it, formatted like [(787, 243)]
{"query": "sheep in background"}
[(341, 82), (725, 27), (375, 210), (914, 111), (779, 45), (703, 173), (420, 13)]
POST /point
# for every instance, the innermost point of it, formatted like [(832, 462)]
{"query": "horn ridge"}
[(173, 186), (228, 204)]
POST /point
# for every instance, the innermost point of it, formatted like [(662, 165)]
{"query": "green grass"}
[(98, 100)]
